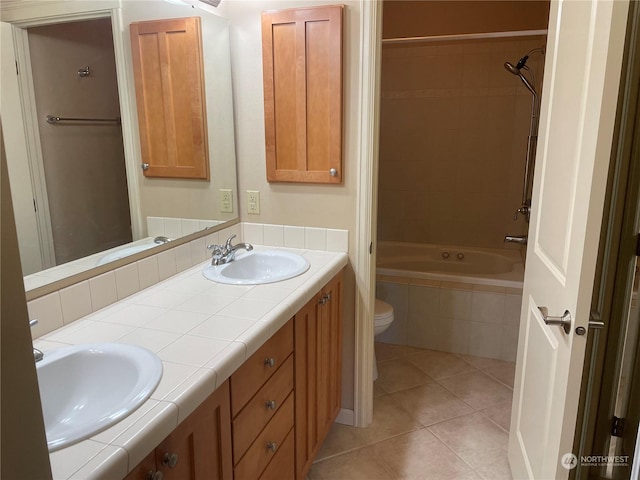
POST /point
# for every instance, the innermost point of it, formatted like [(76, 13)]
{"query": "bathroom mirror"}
[(48, 214)]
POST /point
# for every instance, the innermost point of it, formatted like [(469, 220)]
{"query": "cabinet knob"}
[(269, 362), (170, 460), (145, 167), (333, 172), (270, 405), (154, 475), (272, 446), (324, 299)]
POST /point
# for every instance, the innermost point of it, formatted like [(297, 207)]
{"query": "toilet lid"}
[(384, 312)]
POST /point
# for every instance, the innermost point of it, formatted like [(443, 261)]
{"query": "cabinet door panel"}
[(318, 353), (302, 73), (202, 442), (169, 78), (306, 376)]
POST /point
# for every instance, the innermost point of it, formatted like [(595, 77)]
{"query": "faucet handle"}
[(524, 210), (228, 242)]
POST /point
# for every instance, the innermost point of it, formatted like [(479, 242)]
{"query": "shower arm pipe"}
[(463, 36)]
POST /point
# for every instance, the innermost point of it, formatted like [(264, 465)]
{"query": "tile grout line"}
[(344, 452)]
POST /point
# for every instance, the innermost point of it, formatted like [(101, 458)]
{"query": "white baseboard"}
[(345, 417)]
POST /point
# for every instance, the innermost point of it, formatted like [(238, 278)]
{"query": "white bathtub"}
[(462, 300), (480, 266)]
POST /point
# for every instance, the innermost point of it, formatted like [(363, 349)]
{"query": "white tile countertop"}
[(202, 331)]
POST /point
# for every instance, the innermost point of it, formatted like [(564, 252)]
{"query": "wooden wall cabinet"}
[(302, 67), (199, 448), (318, 387), (169, 79)]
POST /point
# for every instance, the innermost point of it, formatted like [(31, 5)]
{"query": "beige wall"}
[(23, 453), (453, 138), (83, 163), (308, 205)]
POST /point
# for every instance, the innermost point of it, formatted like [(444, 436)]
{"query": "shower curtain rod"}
[(462, 36)]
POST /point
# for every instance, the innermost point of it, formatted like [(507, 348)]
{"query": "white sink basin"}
[(256, 268), (85, 389), (124, 252)]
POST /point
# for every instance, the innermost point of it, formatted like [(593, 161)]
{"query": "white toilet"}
[(382, 319)]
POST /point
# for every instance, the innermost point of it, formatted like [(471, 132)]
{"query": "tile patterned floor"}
[(437, 416)]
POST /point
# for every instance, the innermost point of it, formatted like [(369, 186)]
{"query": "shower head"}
[(511, 69)]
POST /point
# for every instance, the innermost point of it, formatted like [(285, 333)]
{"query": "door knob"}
[(564, 321)]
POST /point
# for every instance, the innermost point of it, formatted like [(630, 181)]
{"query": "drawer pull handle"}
[(269, 362), (272, 446), (270, 405), (157, 475), (170, 460)]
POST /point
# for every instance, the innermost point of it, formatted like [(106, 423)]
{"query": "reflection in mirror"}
[(80, 197)]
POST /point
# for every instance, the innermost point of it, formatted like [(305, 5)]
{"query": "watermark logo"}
[(570, 461)]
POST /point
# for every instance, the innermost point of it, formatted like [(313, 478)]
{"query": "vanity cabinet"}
[(302, 74), (268, 421), (199, 448), (318, 382)]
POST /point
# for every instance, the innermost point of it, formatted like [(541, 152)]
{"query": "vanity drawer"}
[(260, 367), (261, 408), (259, 454), (282, 467)]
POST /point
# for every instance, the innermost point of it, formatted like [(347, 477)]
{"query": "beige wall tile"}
[(103, 290), (127, 280), (48, 311), (76, 301)]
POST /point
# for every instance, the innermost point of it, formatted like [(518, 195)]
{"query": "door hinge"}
[(638, 245), (35, 206), (17, 71), (370, 248), (617, 427)]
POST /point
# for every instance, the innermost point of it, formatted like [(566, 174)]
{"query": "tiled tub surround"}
[(453, 139), (467, 313), (201, 330)]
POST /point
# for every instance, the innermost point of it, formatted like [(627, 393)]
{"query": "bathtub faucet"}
[(521, 239)]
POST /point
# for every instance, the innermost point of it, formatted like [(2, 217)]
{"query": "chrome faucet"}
[(521, 239), (226, 253), (37, 354)]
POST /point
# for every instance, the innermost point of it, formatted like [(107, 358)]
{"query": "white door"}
[(582, 72)]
